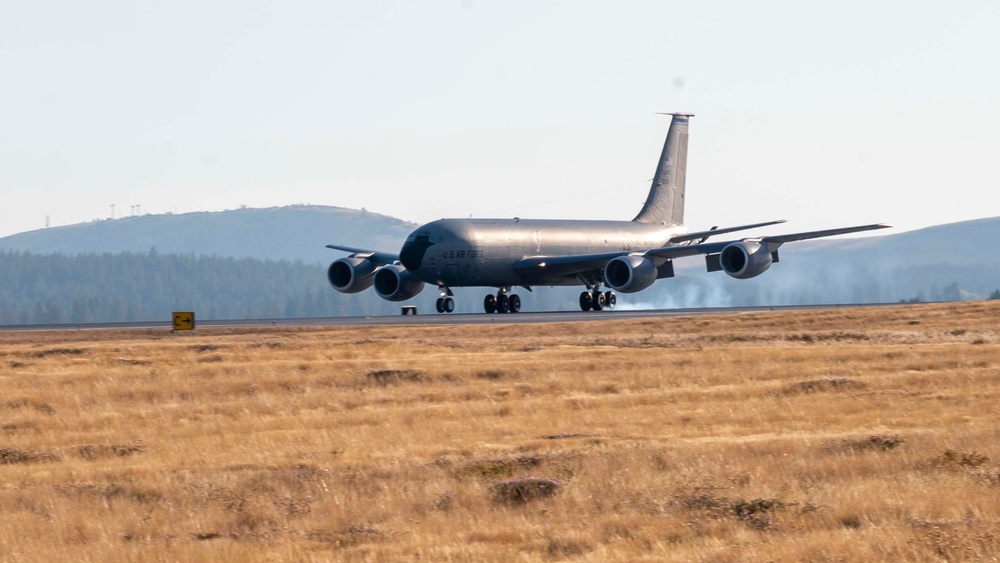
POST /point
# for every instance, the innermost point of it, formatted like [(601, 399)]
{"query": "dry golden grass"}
[(850, 434)]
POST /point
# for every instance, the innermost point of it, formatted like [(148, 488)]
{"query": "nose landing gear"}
[(445, 303)]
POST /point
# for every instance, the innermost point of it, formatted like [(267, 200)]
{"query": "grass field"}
[(835, 435)]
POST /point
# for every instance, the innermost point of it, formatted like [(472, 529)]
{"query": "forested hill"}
[(56, 288), (299, 232), (940, 263), (213, 263)]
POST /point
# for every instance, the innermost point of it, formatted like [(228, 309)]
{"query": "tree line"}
[(117, 287), (106, 287)]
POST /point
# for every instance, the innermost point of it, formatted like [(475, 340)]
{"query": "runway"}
[(435, 319)]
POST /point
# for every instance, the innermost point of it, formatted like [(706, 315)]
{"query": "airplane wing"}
[(376, 256), (772, 242), (777, 241), (565, 265), (703, 235), (576, 264)]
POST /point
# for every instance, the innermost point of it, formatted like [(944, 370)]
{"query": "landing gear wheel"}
[(490, 304), (503, 303), (515, 304), (586, 301), (597, 300), (449, 305), (439, 305), (610, 300)]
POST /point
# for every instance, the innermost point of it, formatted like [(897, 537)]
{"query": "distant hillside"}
[(966, 243), (245, 263), (301, 232), (279, 233), (56, 288), (940, 263)]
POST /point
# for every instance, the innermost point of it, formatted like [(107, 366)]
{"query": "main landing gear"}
[(502, 303), (597, 301), (506, 302)]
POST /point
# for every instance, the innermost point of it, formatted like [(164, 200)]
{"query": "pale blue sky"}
[(824, 114)]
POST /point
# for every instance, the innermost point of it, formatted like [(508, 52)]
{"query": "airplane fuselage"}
[(483, 252)]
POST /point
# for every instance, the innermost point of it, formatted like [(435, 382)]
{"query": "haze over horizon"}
[(822, 115)]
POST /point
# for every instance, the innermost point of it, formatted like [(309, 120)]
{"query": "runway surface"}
[(436, 319)]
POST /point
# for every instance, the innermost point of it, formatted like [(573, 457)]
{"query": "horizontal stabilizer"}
[(705, 234), (376, 256)]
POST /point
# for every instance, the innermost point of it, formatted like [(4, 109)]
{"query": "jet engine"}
[(396, 283), (629, 274), (745, 260), (351, 275)]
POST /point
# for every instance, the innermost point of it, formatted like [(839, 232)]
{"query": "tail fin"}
[(665, 202)]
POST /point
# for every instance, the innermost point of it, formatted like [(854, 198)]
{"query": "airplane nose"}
[(412, 253)]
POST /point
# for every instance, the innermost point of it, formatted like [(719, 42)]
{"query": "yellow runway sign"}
[(183, 320)]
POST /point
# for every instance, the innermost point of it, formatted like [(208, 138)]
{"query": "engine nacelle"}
[(396, 283), (629, 274), (351, 275), (745, 260)]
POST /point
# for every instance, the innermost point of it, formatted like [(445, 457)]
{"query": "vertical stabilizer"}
[(665, 203)]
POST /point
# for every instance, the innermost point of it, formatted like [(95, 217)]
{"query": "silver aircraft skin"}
[(624, 256)]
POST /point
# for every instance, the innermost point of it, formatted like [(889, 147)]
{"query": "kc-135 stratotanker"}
[(624, 256)]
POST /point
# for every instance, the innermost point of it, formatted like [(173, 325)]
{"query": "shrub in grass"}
[(880, 442), (757, 513), (391, 376), (504, 466), (955, 460), (826, 384), (97, 451), (10, 456), (446, 501), (521, 491)]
